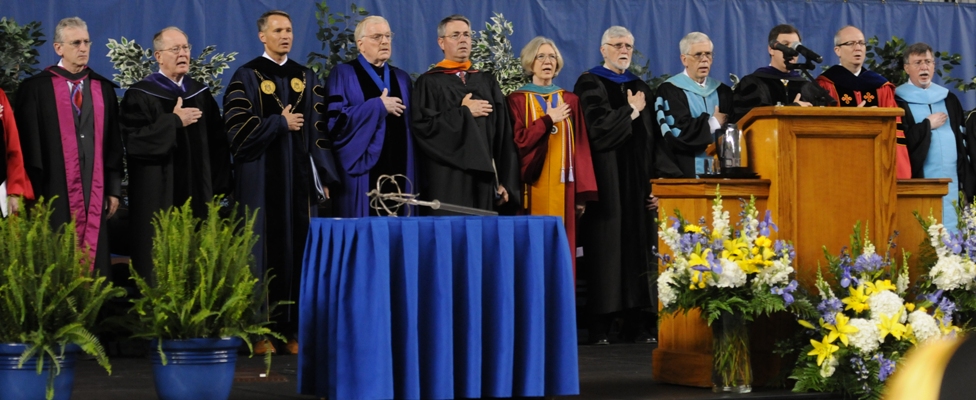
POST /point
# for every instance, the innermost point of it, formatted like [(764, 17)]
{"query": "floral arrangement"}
[(732, 275), (865, 322), (720, 270), (949, 263)]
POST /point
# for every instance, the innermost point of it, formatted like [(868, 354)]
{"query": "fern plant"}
[(49, 295), (338, 37), (134, 63), (202, 285), (491, 51)]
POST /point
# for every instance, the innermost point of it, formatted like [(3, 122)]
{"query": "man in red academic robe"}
[(67, 116), (853, 86)]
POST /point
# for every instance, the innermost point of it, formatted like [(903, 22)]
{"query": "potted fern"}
[(49, 300), (201, 302)]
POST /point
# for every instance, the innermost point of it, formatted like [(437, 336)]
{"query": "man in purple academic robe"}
[(368, 104), (67, 116)]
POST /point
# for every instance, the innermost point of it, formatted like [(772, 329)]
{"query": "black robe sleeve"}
[(505, 153), (221, 169), (112, 145), (440, 126), (750, 93), (248, 133), (918, 136), (28, 108), (149, 131), (682, 132), (608, 128)]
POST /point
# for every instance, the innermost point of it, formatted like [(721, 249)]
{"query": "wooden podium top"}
[(826, 112)]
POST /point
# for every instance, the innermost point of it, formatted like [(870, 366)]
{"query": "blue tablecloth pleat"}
[(437, 308)]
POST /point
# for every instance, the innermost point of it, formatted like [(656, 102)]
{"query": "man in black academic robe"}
[(614, 232), (67, 116), (462, 128), (773, 84), (273, 114), (691, 108), (175, 144)]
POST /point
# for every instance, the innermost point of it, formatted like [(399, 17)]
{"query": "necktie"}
[(76, 96), (461, 74)]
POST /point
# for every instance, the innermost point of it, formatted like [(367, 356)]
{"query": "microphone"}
[(788, 52), (809, 54)]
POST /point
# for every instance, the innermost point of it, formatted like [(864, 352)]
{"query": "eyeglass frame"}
[(177, 49), (77, 43), (380, 36), (457, 35), (853, 43), (702, 54), (919, 63), (620, 46)]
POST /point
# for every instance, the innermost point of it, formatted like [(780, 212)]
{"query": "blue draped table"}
[(437, 308)]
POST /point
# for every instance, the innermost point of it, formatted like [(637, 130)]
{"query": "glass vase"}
[(731, 368)]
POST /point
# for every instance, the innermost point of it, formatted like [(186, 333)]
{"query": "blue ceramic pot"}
[(25, 384), (196, 369)]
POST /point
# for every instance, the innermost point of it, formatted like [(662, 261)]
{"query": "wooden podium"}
[(827, 168)]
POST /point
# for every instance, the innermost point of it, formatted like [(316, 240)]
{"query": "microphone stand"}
[(804, 68)]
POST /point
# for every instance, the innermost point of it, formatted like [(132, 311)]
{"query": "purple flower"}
[(782, 246), (676, 224), (868, 263), (953, 242), (932, 297), (767, 223), (786, 292), (860, 368), (886, 367), (948, 308), (829, 308)]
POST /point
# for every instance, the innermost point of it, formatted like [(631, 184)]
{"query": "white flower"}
[(936, 234), (720, 221), (923, 325), (669, 236), (867, 338), (952, 272), (776, 274), (868, 247), (731, 277), (828, 368), (901, 283), (665, 291), (885, 302)]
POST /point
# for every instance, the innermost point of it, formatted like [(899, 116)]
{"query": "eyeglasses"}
[(919, 63), (176, 50), (705, 54), (544, 57), (458, 35), (77, 43), (380, 36), (620, 46), (853, 43)]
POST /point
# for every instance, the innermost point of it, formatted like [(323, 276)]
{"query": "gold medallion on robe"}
[(267, 87), (297, 85)]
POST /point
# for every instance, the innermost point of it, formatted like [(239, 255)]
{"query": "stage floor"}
[(617, 371)]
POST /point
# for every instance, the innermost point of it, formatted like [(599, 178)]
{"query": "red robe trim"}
[(886, 98), (87, 222)]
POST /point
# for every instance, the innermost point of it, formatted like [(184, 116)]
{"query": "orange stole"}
[(547, 195)]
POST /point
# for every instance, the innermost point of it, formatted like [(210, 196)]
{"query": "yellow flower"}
[(857, 301), (910, 334), (822, 350), (698, 259), (698, 279), (890, 325), (693, 228), (763, 241), (840, 330), (879, 286), (910, 307), (734, 249), (806, 324)]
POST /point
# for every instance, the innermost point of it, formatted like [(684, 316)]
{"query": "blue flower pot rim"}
[(198, 343), (9, 348)]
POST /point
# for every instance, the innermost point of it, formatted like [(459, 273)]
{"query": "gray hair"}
[(615, 31), (837, 34), (263, 20), (372, 19), (456, 17), (70, 22), (158, 37), (692, 38), (527, 56), (917, 49)]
